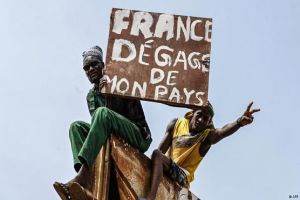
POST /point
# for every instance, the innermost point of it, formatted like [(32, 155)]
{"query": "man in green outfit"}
[(124, 117)]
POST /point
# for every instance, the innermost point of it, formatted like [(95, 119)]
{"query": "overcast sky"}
[(255, 56)]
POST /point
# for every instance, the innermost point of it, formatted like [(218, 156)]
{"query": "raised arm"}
[(167, 139), (228, 129)]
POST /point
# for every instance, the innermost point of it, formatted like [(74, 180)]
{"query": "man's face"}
[(93, 68), (199, 121)]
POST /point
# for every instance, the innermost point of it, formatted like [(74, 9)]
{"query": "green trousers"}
[(87, 139)]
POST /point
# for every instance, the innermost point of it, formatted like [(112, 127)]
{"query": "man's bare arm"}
[(167, 139), (228, 129)]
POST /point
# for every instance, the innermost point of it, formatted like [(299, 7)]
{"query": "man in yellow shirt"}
[(186, 142)]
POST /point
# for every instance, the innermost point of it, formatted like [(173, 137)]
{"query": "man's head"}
[(93, 64), (201, 119)]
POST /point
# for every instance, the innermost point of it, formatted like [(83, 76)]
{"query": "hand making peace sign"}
[(247, 117)]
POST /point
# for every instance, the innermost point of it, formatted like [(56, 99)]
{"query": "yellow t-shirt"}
[(185, 147)]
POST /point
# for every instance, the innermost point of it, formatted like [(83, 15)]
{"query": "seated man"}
[(188, 140), (124, 117)]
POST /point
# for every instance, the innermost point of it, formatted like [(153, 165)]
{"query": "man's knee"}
[(75, 125), (159, 158), (74, 128), (157, 154), (102, 112)]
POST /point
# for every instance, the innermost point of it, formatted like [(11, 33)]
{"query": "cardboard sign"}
[(158, 57)]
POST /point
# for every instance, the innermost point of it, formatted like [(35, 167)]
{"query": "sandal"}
[(78, 192), (62, 190)]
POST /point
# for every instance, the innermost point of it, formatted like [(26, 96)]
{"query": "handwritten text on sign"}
[(158, 57)]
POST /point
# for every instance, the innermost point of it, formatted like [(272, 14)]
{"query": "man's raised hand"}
[(247, 117)]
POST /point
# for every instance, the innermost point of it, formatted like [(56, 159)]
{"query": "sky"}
[(254, 57)]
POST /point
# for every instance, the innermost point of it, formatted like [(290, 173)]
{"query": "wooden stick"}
[(98, 170), (101, 173), (106, 172)]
